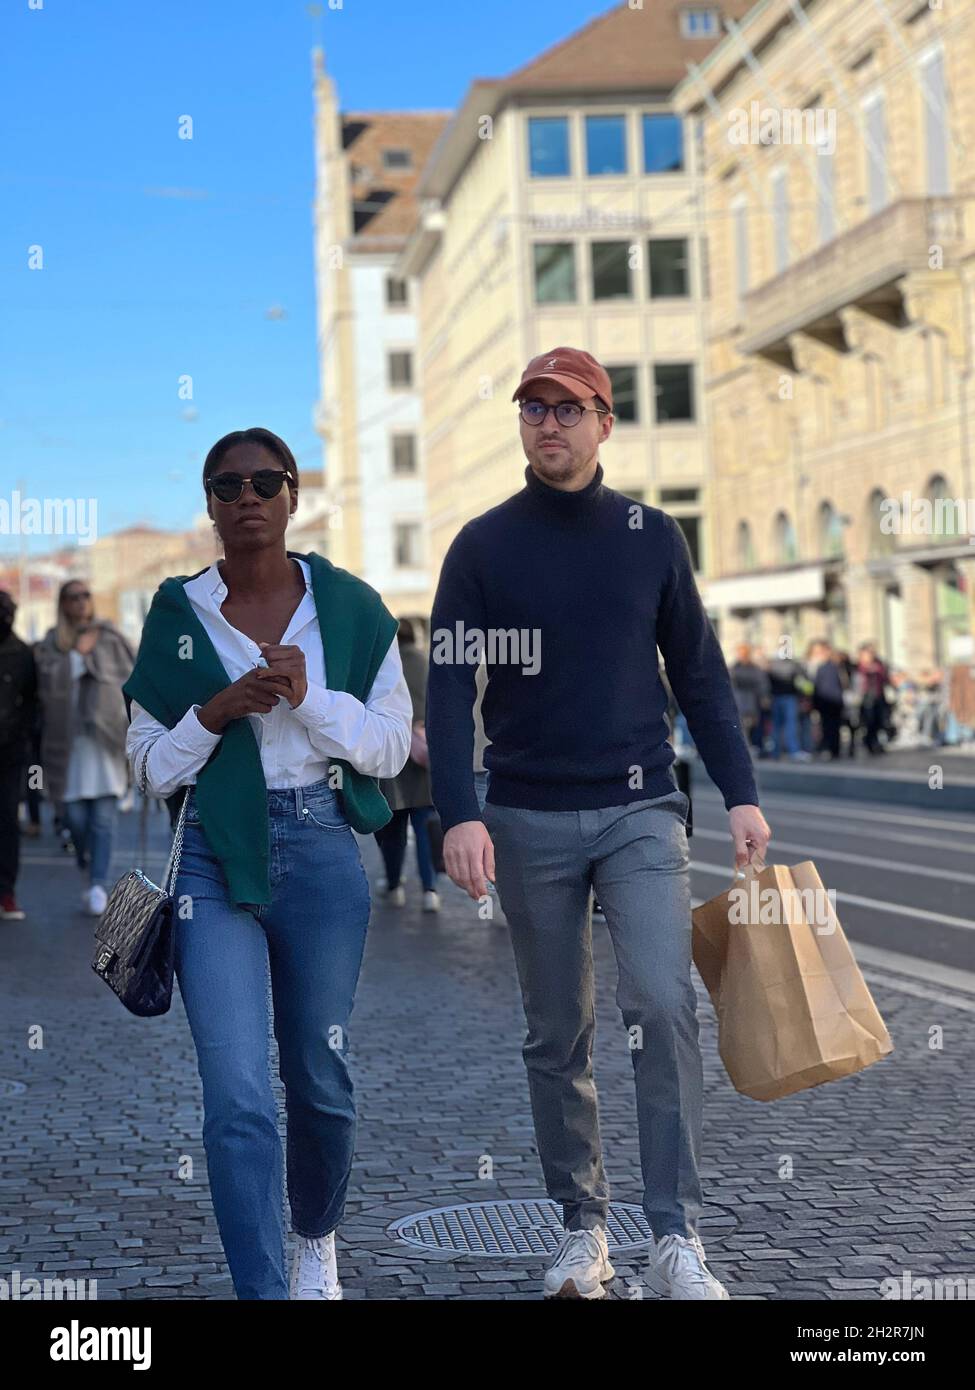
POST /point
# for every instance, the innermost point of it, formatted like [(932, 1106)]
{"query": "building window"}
[(610, 261), (663, 144), (548, 147), (882, 539), (667, 268), (825, 195), (397, 292), (745, 546), (876, 147), (830, 532), (606, 145), (555, 272), (400, 369), (935, 124), (404, 454), (670, 495), (406, 544), (699, 24), (739, 222), (397, 159), (780, 219), (673, 384), (625, 405), (948, 517), (786, 545)]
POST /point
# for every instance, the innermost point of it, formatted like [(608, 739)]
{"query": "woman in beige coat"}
[(81, 665)]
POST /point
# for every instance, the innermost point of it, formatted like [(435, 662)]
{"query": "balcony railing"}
[(858, 267)]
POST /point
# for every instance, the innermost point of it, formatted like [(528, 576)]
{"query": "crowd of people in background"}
[(831, 705)]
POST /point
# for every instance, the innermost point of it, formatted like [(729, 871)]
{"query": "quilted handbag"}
[(135, 936)]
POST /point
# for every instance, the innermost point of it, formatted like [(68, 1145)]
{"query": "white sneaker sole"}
[(570, 1290), (662, 1287)]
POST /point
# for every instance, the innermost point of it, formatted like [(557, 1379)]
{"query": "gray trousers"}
[(635, 858)]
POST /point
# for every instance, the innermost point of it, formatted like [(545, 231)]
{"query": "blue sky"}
[(162, 256)]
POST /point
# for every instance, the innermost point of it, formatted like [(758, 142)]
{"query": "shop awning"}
[(775, 589)]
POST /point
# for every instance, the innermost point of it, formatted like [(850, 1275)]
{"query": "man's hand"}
[(468, 857), (289, 662), (750, 832)]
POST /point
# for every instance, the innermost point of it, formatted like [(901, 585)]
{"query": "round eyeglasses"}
[(266, 482), (567, 413)]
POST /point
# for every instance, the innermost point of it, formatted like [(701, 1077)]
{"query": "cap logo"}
[(552, 362)]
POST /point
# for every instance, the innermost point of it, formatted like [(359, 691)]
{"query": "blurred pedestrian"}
[(785, 674), (873, 679), (752, 691), (81, 664), (831, 681), (408, 793), (18, 704), (931, 705)]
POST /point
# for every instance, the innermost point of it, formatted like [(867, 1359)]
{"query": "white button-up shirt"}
[(295, 744)]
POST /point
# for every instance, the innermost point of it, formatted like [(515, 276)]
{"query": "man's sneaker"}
[(313, 1269), (95, 899), (396, 896), (581, 1266), (431, 901), (677, 1269), (9, 911)]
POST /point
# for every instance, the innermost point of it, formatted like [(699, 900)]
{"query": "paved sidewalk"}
[(91, 1151)]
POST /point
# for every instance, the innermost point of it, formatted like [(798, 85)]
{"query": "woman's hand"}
[(256, 692), (288, 662), (86, 641)]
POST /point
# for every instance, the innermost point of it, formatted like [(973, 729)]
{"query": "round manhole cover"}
[(512, 1228), (11, 1088)]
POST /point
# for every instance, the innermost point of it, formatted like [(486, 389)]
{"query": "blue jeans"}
[(635, 858), (92, 823), (391, 839), (306, 946), (785, 724)]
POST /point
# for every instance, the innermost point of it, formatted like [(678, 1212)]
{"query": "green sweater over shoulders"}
[(177, 666)]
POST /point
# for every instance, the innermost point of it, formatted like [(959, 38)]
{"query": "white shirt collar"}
[(210, 583)]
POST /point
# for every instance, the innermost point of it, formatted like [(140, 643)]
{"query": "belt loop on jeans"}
[(299, 803)]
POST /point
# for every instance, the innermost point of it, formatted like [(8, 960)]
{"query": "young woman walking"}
[(270, 685)]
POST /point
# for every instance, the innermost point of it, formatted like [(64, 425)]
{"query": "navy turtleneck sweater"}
[(573, 593)]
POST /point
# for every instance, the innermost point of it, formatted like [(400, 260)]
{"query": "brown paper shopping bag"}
[(793, 1008)]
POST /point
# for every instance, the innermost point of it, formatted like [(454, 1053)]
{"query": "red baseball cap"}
[(577, 371)]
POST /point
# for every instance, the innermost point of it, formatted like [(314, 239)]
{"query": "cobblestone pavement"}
[(91, 1150)]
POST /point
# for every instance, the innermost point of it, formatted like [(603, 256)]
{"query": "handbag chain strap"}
[(172, 866)]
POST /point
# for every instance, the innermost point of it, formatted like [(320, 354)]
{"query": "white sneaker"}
[(95, 900), (313, 1269), (677, 1269), (581, 1266), (431, 901), (396, 896)]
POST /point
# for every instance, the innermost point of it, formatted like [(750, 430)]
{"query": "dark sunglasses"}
[(266, 482), (78, 593)]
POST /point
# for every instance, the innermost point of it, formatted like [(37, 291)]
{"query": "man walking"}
[(570, 588)]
